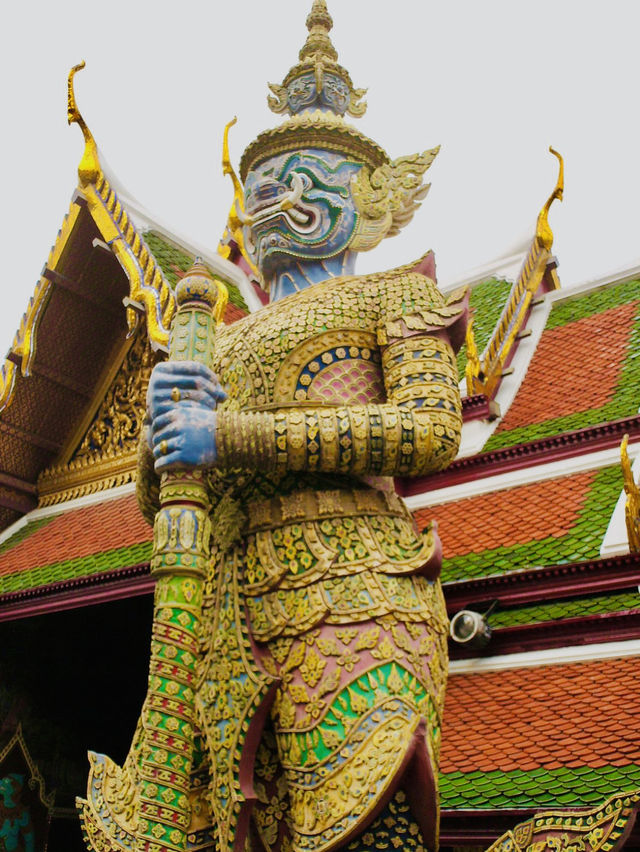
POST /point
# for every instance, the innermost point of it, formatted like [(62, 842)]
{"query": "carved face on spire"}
[(299, 204)]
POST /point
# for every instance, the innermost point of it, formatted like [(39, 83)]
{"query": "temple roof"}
[(571, 737), (547, 522), (535, 530), (600, 328), (63, 544)]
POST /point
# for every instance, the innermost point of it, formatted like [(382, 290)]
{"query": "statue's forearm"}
[(415, 432), (368, 439)]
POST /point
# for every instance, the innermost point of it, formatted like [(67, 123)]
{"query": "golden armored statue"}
[(296, 694)]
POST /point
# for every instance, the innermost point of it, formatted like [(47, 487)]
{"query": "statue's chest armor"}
[(318, 346)]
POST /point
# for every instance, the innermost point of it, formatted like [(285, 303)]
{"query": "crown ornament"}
[(316, 95)]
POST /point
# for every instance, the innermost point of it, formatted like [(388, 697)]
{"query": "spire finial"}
[(89, 167), (318, 43), (317, 82)]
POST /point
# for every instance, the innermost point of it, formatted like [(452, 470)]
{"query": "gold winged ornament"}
[(388, 197)]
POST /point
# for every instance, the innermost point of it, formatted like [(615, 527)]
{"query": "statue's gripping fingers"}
[(182, 381), (182, 398)]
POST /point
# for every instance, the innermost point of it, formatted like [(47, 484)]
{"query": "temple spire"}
[(318, 43), (317, 82)]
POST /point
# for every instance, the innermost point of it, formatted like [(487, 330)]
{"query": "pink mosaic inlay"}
[(352, 380)]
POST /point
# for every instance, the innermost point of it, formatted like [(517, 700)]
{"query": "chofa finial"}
[(89, 167), (234, 223), (544, 234)]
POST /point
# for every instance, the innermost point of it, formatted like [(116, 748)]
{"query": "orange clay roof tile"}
[(78, 533), (550, 389), (514, 516), (579, 714)]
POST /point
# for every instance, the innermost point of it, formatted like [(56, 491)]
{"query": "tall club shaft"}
[(181, 536)]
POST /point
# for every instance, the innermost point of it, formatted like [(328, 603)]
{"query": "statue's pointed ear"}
[(387, 198)]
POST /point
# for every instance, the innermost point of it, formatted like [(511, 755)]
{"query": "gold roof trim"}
[(233, 230), (85, 476), (150, 292), (544, 234), (632, 504), (485, 373), (23, 348), (36, 779), (103, 455)]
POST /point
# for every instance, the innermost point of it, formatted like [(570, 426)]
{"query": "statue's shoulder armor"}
[(411, 303)]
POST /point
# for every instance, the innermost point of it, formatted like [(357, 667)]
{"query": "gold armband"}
[(358, 439)]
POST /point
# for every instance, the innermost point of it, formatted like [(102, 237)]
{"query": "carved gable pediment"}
[(102, 452)]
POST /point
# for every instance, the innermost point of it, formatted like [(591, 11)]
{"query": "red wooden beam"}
[(108, 586), (543, 451), (553, 582)]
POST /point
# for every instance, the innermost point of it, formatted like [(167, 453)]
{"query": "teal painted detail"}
[(342, 714), (581, 542), (486, 301), (541, 787)]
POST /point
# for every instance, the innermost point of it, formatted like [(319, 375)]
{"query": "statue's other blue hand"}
[(181, 399)]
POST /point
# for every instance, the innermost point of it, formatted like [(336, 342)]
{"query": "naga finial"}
[(544, 234), (227, 166), (632, 505), (89, 167), (234, 223), (473, 367)]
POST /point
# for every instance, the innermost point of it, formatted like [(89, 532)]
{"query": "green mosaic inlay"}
[(169, 257), (626, 397), (24, 532), (581, 542), (354, 700), (563, 787), (71, 569), (559, 610), (487, 301)]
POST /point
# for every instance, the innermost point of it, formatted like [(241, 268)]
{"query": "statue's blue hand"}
[(182, 398)]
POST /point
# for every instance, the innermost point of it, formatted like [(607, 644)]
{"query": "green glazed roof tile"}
[(23, 533), (70, 569), (173, 261), (625, 400), (563, 787), (559, 610)]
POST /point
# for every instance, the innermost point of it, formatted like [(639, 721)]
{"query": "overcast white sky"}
[(493, 81)]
